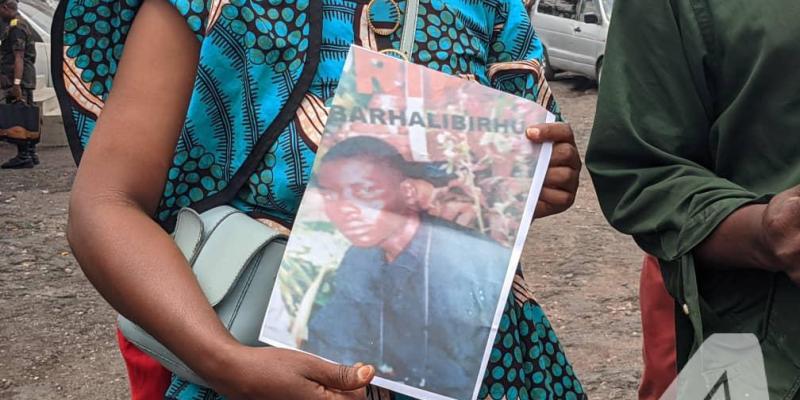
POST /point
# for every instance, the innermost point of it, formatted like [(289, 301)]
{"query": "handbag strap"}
[(409, 28)]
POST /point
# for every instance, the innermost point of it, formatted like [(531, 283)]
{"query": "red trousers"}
[(148, 379), (659, 351)]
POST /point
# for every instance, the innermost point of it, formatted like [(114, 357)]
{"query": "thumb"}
[(341, 377), (550, 132)]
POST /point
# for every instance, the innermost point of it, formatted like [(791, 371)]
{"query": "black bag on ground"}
[(19, 121)]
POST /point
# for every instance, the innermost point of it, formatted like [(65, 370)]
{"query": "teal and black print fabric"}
[(267, 69)]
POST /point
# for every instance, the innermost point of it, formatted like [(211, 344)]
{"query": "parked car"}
[(574, 35)]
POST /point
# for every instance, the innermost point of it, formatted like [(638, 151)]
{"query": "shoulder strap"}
[(409, 27)]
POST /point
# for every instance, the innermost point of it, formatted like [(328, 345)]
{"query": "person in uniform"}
[(17, 79)]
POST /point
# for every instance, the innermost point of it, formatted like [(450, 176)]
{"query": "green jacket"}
[(699, 114)]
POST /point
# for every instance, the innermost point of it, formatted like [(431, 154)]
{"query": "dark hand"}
[(562, 178), (16, 92), (273, 373), (780, 233)]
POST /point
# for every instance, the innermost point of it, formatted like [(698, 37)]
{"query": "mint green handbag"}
[(236, 260)]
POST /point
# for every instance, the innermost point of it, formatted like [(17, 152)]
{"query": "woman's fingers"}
[(553, 201), (551, 132), (565, 155), (563, 175), (562, 178)]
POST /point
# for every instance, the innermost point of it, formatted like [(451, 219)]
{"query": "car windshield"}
[(608, 5)]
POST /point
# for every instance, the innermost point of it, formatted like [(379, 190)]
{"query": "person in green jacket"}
[(695, 152)]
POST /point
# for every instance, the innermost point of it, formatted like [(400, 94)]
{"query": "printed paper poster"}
[(408, 236)]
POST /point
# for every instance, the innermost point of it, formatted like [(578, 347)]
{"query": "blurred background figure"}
[(17, 81)]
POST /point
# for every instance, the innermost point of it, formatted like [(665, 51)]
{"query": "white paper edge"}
[(516, 253)]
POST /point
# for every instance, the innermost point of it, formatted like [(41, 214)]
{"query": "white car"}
[(574, 35)]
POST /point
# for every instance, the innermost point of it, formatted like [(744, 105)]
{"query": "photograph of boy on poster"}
[(409, 282)]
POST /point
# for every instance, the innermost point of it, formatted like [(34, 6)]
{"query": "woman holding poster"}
[(223, 102)]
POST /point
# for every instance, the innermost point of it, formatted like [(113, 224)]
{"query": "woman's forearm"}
[(138, 269), (127, 256)]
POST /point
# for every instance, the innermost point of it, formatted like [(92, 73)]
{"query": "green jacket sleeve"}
[(651, 150)]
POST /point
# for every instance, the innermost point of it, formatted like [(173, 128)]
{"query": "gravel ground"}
[(57, 334)]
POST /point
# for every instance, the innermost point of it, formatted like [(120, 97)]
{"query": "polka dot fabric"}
[(447, 43), (274, 32), (527, 361), (195, 13), (194, 176), (97, 55)]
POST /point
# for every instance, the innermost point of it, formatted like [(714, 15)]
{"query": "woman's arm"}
[(131, 261)]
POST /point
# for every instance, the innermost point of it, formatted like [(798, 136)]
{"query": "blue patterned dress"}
[(267, 70)]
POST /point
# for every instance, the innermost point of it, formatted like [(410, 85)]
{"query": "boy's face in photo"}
[(364, 199)]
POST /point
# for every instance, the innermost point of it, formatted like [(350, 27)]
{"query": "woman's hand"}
[(273, 373), (562, 178)]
